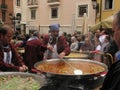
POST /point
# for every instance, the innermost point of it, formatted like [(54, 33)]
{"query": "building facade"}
[(21, 12), (106, 8), (6, 10), (39, 14)]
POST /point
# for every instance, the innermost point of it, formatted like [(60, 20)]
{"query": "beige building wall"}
[(22, 9), (67, 15)]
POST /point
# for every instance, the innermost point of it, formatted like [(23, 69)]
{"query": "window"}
[(33, 14), (18, 3), (18, 15), (3, 16), (35, 2), (28, 1), (108, 4), (3, 1), (32, 2), (54, 12), (82, 9)]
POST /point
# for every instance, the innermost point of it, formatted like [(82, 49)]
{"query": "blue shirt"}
[(117, 55)]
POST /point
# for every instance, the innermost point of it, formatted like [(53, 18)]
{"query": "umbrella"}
[(106, 23), (85, 24), (1, 22), (73, 23)]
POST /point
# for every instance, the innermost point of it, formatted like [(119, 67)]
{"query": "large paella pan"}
[(77, 55), (57, 67), (20, 81)]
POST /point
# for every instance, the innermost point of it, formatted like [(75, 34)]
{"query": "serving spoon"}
[(76, 71)]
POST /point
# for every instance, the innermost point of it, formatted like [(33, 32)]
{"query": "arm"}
[(63, 47), (16, 61)]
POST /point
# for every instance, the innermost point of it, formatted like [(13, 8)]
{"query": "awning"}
[(106, 23)]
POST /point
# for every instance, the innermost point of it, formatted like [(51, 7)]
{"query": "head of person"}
[(98, 31), (36, 34), (73, 39), (6, 35), (103, 32), (54, 30), (87, 41), (116, 28), (107, 38)]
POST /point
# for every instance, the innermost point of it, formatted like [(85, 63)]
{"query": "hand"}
[(23, 68), (61, 55), (81, 51), (33, 70), (50, 47)]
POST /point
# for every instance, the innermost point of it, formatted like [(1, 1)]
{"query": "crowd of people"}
[(58, 44), (52, 45)]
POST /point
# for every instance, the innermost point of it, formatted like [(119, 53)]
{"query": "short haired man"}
[(10, 60)]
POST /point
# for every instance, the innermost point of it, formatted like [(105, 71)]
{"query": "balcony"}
[(3, 7), (53, 2), (32, 3)]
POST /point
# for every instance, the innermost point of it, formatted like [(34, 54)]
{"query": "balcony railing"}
[(3, 6), (53, 2), (32, 3)]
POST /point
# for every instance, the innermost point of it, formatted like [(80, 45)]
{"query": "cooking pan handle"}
[(100, 75), (96, 76), (37, 72), (34, 71)]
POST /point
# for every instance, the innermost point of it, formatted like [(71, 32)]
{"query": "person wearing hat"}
[(57, 46)]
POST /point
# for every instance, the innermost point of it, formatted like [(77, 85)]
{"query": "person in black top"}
[(112, 79)]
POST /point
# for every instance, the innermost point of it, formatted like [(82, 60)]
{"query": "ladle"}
[(76, 71)]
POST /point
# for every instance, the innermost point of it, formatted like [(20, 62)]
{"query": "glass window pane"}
[(82, 9), (18, 2), (33, 14), (54, 12), (108, 4)]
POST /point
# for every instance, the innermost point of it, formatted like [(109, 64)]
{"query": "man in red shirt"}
[(56, 44), (34, 51), (10, 60)]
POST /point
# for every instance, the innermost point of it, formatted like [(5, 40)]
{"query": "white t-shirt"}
[(102, 38), (7, 57), (98, 47)]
